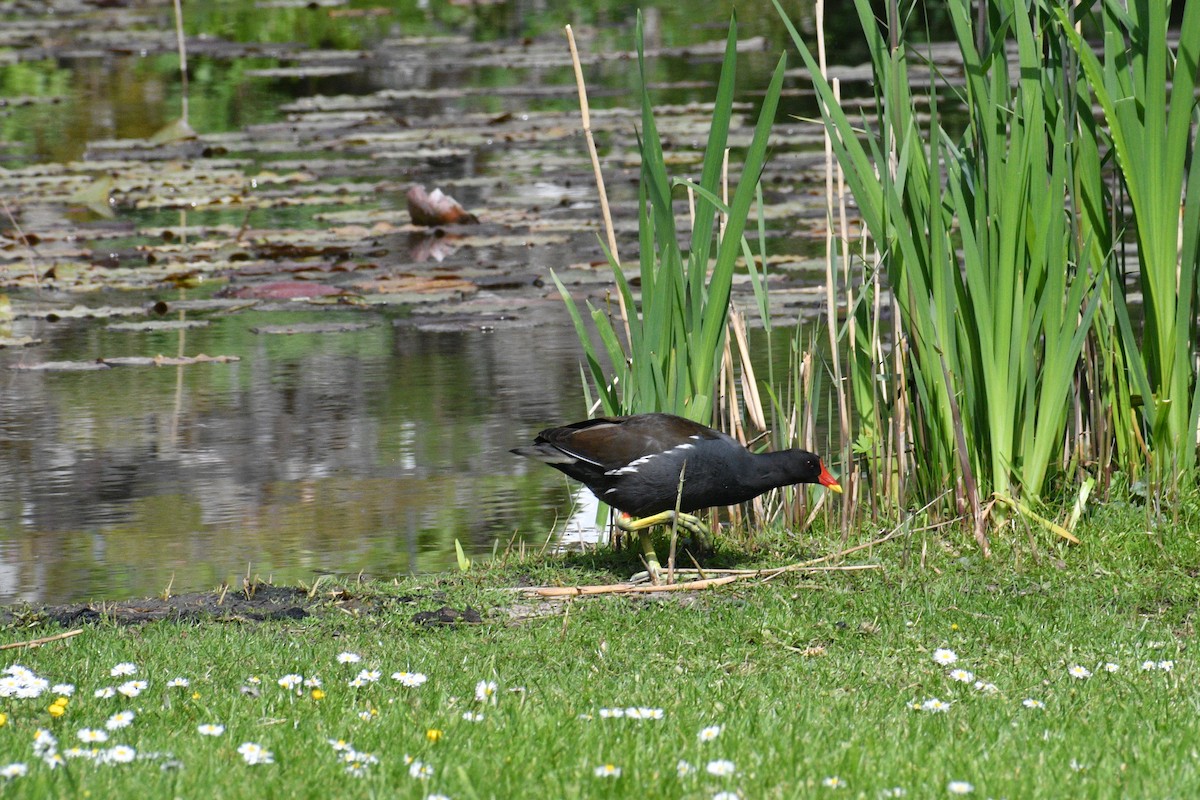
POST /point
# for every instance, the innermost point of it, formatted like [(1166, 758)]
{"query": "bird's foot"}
[(692, 525), (687, 522)]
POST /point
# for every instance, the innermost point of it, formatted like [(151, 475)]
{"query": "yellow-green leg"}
[(642, 528)]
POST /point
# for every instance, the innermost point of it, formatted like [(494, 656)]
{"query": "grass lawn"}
[(1041, 673)]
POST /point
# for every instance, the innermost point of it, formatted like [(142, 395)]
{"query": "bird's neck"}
[(768, 470)]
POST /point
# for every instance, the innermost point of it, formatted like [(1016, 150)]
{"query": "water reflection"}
[(371, 450)]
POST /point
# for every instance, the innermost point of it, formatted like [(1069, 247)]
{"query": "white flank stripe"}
[(632, 467)]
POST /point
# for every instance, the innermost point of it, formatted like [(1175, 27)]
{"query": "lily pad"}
[(168, 361), (309, 71), (313, 327), (283, 290), (123, 361), (18, 341), (418, 285), (77, 312), (159, 325), (60, 366)]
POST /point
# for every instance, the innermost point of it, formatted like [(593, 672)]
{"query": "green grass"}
[(809, 677)]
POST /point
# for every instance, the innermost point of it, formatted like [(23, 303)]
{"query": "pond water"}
[(370, 449)]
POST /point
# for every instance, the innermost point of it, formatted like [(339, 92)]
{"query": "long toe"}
[(650, 557)]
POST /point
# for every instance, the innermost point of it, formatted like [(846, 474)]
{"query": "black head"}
[(806, 467)]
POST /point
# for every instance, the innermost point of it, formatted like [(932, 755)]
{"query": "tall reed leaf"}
[(1147, 94), (996, 296), (670, 360)]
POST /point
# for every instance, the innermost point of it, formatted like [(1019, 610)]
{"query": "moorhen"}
[(635, 464)]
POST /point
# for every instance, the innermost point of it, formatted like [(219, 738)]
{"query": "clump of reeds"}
[(1015, 368)]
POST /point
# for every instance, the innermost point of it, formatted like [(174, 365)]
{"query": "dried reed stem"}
[(830, 266), (623, 588), (586, 117), (44, 640)]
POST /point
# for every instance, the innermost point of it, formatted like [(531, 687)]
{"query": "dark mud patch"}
[(260, 603)]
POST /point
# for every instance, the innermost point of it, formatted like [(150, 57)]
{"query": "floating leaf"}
[(168, 361), (97, 196), (60, 366), (312, 327), (159, 325), (282, 290), (18, 341), (124, 361), (77, 312), (409, 284)]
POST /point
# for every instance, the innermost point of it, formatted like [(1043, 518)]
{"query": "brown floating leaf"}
[(282, 290), (417, 284), (435, 208)]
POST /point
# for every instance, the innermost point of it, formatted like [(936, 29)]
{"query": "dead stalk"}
[(44, 640), (624, 588), (586, 117), (675, 525), (831, 315)]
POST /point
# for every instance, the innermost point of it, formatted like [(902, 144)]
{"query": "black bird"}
[(635, 464)]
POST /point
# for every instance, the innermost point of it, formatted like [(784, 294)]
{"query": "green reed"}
[(664, 348), (1147, 95), (994, 278)]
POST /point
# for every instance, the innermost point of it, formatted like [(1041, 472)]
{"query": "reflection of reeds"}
[(183, 77), (178, 129)]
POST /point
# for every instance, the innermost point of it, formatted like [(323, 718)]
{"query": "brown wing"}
[(613, 442)]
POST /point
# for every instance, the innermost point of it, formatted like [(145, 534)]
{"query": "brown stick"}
[(624, 588), (42, 641), (731, 575)]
